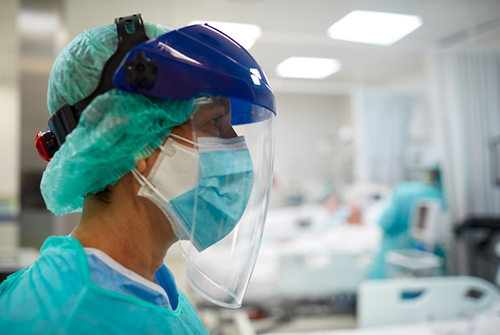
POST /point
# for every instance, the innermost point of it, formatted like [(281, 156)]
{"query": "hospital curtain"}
[(382, 121), (468, 105)]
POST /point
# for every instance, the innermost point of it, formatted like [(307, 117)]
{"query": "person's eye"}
[(215, 121)]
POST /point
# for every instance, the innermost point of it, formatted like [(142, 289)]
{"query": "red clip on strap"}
[(40, 145)]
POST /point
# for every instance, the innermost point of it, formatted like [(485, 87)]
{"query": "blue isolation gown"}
[(56, 295), (396, 218)]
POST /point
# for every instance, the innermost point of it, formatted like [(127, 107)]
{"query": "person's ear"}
[(141, 165), (145, 165)]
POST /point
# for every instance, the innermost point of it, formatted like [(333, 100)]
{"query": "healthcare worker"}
[(397, 216), (155, 136)]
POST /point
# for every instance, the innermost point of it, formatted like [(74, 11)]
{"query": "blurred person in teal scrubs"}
[(396, 218)]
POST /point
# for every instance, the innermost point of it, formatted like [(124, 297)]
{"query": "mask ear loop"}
[(186, 140), (198, 172)]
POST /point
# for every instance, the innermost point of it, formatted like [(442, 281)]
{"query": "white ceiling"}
[(289, 28), (298, 28)]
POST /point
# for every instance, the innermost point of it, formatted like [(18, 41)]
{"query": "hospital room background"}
[(384, 215)]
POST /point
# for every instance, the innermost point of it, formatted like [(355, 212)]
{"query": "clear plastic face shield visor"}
[(212, 181), (222, 271)]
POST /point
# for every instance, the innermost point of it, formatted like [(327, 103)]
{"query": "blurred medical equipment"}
[(430, 223), (495, 159), (413, 263), (430, 229), (479, 235), (424, 306), (497, 253), (398, 301), (479, 231)]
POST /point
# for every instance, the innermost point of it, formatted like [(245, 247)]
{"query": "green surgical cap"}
[(114, 131)]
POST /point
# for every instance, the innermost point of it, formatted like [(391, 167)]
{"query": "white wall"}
[(9, 103), (83, 15), (308, 149), (9, 137), (9, 125), (414, 82)]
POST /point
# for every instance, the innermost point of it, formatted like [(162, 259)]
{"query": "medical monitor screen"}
[(495, 158), (421, 217)]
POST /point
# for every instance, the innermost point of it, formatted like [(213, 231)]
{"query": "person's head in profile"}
[(155, 136)]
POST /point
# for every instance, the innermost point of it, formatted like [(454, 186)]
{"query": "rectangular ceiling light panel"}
[(308, 67), (243, 33), (374, 27)]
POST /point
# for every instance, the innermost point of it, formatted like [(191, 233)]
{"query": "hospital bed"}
[(308, 264), (313, 274), (314, 265), (386, 302), (306, 258), (425, 306)]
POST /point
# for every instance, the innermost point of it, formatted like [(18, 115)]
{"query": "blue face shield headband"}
[(220, 194)]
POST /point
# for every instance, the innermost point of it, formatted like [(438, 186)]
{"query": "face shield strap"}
[(131, 32), (185, 140)]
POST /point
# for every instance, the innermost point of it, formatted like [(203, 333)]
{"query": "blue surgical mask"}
[(204, 190)]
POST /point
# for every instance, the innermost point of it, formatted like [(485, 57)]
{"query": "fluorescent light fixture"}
[(244, 34), (308, 67), (374, 27)]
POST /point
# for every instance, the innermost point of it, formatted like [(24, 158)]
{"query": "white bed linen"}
[(358, 239)]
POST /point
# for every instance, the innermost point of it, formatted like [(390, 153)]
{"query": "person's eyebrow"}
[(226, 105), (221, 107), (210, 113)]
